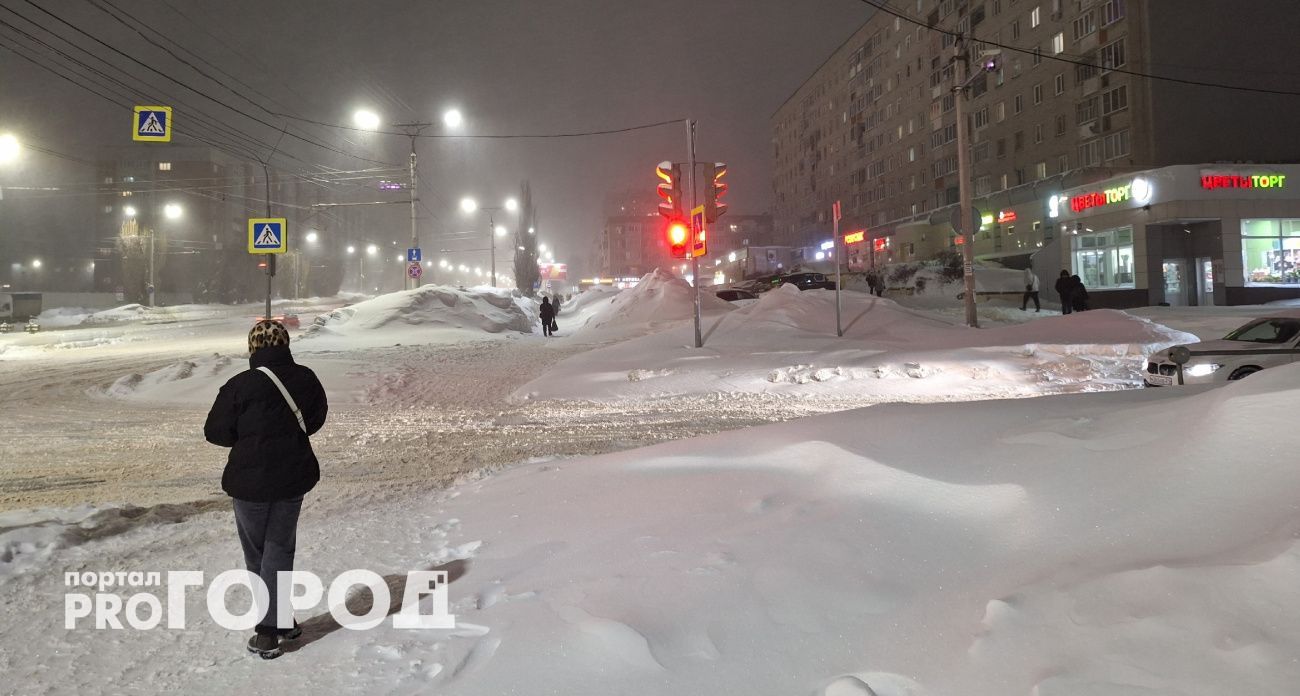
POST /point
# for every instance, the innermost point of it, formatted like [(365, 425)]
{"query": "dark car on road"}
[(735, 295), (806, 281)]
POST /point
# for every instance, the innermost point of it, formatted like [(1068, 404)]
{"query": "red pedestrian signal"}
[(715, 189), (679, 236), (670, 189)]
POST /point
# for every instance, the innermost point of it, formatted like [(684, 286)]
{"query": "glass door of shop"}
[(1177, 290), (1205, 282)]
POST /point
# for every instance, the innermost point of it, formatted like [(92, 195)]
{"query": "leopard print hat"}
[(267, 333)]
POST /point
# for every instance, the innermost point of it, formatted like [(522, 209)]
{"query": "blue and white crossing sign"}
[(267, 235), (413, 255), (152, 124)]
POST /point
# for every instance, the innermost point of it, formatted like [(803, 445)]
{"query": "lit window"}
[(164, 166), (1035, 17)]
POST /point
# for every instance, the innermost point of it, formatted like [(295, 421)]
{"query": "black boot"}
[(289, 633), (265, 646)]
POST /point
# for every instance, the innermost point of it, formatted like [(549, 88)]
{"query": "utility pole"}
[(413, 131), (151, 285), (492, 244), (695, 230), (270, 258), (839, 281), (964, 221)]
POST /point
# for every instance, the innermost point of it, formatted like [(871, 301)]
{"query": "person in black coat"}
[(547, 315), (1064, 286), (271, 464), (1078, 294)]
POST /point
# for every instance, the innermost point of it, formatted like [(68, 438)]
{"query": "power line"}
[(582, 134), (884, 7), (200, 93)]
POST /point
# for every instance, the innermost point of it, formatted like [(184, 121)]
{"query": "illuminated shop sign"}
[(880, 244), (1139, 190), (1006, 216), (986, 220), (1211, 180), (855, 237)]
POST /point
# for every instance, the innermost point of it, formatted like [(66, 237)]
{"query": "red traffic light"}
[(679, 236)]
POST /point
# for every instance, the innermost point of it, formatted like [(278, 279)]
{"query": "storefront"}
[(1183, 235)]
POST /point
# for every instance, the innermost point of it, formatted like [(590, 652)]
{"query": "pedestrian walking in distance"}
[(547, 315), (1031, 291), (1078, 295), (265, 415), (1064, 286)]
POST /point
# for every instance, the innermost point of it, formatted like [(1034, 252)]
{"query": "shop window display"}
[(1270, 251), (1104, 260)]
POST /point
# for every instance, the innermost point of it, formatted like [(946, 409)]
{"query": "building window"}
[(1000, 112), (1112, 11), (1038, 93), (1086, 111), (1085, 25), (982, 117), (1035, 17), (1002, 149), (1090, 153), (1060, 124), (1060, 83), (1115, 146), (1062, 164), (1018, 104), (1085, 71), (1270, 251), (1040, 170), (164, 166), (1104, 260), (1020, 140), (1037, 55), (1112, 55), (1015, 29), (1004, 182), (1114, 100), (983, 185), (1038, 132), (1058, 43)]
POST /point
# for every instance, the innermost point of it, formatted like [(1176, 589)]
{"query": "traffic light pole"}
[(413, 130), (695, 230)]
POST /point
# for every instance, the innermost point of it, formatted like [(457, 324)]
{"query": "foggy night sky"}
[(540, 66)]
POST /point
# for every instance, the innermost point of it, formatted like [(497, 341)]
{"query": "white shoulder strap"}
[(289, 399)]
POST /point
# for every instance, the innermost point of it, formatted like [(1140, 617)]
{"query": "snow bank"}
[(786, 343), (660, 299), (408, 316)]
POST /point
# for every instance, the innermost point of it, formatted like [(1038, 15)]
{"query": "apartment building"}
[(875, 128)]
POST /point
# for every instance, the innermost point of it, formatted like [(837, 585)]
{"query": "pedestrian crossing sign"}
[(267, 235), (153, 124)]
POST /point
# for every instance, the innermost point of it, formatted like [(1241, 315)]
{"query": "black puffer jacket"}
[(270, 457)]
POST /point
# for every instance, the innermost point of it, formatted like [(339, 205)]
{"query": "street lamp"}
[(36, 263), (452, 118), (9, 148), (173, 211), (128, 211), (366, 119), (312, 237), (469, 206)]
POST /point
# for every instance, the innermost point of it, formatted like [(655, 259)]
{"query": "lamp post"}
[(469, 206), (369, 120), (966, 226)]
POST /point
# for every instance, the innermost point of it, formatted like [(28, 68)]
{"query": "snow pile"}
[(595, 295), (445, 310), (660, 299), (184, 380), (116, 315), (1112, 543), (786, 342), (60, 317)]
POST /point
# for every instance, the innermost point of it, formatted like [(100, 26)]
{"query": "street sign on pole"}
[(414, 270), (152, 124), (267, 236), (699, 242), (413, 255)]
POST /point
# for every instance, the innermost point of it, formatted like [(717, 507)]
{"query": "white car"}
[(1262, 343)]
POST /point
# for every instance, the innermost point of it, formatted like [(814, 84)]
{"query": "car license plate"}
[(1160, 380)]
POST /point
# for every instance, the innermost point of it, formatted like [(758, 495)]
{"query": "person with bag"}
[(547, 315), (1064, 286), (265, 415), (1031, 291)]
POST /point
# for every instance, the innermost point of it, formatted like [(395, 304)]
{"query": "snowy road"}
[(63, 444)]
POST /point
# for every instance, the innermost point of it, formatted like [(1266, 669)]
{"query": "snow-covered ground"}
[(1133, 541)]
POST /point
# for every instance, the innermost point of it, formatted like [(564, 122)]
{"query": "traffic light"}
[(715, 189), (670, 190), (679, 239)]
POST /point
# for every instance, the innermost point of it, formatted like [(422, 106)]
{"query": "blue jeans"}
[(269, 534)]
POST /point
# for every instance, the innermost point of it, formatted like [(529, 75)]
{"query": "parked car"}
[(806, 281), (1259, 344), (290, 321), (734, 295)]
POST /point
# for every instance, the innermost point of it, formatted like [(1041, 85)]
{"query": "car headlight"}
[(1201, 370)]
